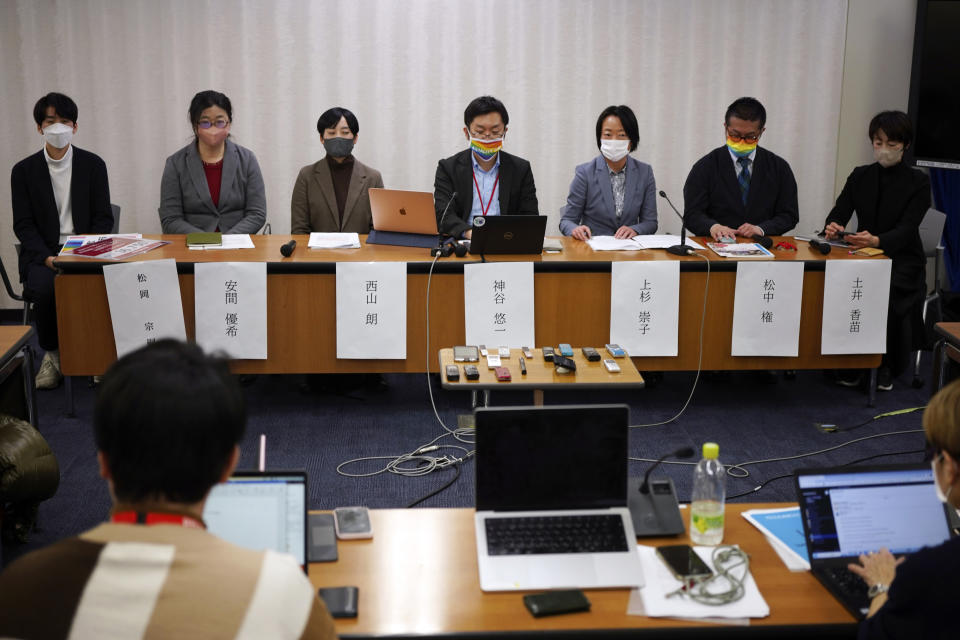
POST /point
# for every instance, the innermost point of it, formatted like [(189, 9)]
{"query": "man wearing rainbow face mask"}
[(485, 180), (739, 189)]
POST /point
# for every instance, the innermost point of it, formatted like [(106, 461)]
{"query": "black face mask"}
[(338, 147)]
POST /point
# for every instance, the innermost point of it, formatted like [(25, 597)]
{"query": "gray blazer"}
[(313, 206), (590, 201), (185, 203)]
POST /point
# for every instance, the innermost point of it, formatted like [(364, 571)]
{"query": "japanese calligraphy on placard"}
[(372, 310), (766, 309), (498, 304), (144, 299), (855, 296), (644, 307), (231, 308)]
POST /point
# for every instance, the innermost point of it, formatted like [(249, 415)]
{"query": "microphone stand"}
[(678, 249)]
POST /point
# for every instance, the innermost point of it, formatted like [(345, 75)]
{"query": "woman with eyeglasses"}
[(890, 200), (915, 598), (212, 184)]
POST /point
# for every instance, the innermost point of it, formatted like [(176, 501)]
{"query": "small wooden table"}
[(18, 395), (542, 374)]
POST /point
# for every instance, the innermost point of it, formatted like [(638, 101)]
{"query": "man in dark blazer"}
[(57, 192), (486, 180), (740, 189)]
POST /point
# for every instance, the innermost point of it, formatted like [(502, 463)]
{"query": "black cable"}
[(456, 468)]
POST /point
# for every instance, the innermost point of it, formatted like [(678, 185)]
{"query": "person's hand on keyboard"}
[(878, 569)]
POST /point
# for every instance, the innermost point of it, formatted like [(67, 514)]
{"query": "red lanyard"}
[(493, 192), (140, 517)]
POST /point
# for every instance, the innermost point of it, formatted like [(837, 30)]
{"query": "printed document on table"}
[(231, 241), (664, 240), (784, 530), (320, 240), (609, 243)]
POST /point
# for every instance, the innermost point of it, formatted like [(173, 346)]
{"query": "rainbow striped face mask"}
[(742, 148), (485, 149)]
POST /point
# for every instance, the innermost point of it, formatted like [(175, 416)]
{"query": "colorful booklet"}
[(739, 250), (75, 242), (117, 248)]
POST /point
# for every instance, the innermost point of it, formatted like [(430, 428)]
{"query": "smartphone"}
[(493, 360), (503, 374), (341, 601), (453, 373), (504, 352), (523, 367), (352, 522), (591, 354), (683, 561), (565, 350), (556, 602), (611, 366), (548, 354), (471, 372), (323, 538), (527, 353), (616, 351), (483, 350), (466, 354), (564, 365)]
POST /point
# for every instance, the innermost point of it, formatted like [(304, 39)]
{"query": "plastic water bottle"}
[(709, 494)]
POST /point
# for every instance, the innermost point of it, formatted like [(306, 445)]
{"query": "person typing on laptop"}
[(485, 180), (167, 424), (915, 598)]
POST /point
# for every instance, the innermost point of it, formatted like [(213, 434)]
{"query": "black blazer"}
[(518, 195), (711, 194), (35, 218)]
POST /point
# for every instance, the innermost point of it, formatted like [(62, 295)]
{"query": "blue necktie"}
[(744, 178)]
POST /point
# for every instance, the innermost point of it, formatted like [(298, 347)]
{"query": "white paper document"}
[(498, 303), (659, 582), (230, 241), (372, 310), (664, 240), (144, 299), (230, 303), (645, 306), (636, 243), (855, 296), (320, 240), (766, 309)]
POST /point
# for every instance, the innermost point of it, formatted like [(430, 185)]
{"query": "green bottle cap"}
[(711, 450)]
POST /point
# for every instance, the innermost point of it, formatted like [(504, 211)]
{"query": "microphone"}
[(287, 250), (653, 506), (678, 249), (821, 246), (453, 196), (764, 241)]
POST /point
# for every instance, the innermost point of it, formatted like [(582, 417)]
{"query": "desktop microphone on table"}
[(287, 250), (678, 249), (653, 505)]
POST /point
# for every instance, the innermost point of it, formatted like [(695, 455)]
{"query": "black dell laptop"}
[(507, 234)]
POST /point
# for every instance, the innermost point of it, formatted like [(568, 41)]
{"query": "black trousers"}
[(38, 288)]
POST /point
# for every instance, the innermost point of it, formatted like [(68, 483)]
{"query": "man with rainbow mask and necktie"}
[(740, 189), (485, 180)]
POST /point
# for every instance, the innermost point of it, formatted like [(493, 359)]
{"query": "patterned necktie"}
[(744, 178)]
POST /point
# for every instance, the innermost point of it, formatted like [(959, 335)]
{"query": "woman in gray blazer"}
[(331, 195), (212, 184), (613, 194)]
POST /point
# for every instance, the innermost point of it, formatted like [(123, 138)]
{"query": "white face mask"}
[(58, 135), (887, 157), (941, 496), (614, 150)]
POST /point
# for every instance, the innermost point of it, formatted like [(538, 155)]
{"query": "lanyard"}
[(493, 192), (140, 517)]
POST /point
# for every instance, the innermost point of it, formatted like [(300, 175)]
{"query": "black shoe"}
[(884, 379), (849, 378)]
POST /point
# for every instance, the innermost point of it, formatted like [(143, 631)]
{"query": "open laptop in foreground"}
[(847, 511), (261, 510), (405, 218), (506, 234), (556, 469)]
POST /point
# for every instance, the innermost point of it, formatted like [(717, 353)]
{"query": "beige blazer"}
[(313, 206)]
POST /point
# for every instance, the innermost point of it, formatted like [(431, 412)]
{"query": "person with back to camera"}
[(167, 422), (890, 200), (212, 184), (332, 194), (915, 597), (613, 194)]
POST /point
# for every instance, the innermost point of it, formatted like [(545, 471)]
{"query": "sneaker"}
[(49, 376), (884, 379), (848, 378)]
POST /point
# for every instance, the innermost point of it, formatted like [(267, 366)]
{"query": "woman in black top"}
[(890, 200)]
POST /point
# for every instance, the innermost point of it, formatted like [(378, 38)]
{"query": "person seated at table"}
[(890, 200), (56, 192), (167, 424), (486, 180), (914, 598), (740, 189), (212, 184), (613, 194), (333, 194)]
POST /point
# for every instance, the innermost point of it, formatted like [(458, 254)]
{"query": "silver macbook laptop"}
[(261, 510), (403, 211), (552, 498)]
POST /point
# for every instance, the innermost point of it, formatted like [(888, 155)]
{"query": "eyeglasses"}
[(219, 124), (736, 137)]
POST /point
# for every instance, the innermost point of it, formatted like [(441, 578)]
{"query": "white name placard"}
[(144, 299), (766, 309), (855, 296), (230, 302), (372, 310), (498, 304), (645, 307)]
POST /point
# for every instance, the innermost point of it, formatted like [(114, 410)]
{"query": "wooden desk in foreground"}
[(418, 576), (571, 291)]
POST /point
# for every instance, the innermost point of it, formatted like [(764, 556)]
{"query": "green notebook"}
[(204, 239)]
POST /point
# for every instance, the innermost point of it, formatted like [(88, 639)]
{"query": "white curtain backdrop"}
[(408, 70)]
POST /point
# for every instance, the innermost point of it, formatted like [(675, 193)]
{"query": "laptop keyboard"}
[(555, 534), (848, 581)]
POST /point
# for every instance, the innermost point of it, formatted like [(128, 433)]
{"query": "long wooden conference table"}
[(572, 302), (418, 577)]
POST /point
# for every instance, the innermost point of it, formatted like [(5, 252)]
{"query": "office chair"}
[(931, 234)]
